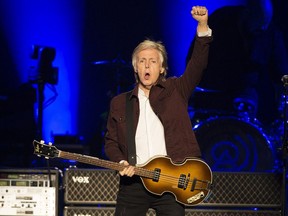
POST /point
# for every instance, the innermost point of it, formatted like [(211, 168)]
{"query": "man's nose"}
[(147, 65)]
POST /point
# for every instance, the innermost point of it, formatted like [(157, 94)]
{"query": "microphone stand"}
[(40, 97), (284, 146), (41, 86)]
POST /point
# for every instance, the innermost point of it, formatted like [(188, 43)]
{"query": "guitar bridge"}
[(198, 184)]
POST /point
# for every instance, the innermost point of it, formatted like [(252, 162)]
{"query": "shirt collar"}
[(161, 83)]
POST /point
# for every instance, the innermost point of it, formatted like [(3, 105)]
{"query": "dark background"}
[(109, 32)]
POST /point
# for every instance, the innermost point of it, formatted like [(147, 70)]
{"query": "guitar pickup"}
[(156, 175), (183, 181)]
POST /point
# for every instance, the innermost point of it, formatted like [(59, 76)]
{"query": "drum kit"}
[(234, 139)]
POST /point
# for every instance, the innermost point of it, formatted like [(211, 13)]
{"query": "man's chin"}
[(146, 85)]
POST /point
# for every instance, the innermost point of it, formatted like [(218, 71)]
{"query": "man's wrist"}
[(202, 27), (206, 33)]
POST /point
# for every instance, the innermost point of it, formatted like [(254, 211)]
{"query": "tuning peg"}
[(42, 142), (38, 155), (50, 143), (46, 158)]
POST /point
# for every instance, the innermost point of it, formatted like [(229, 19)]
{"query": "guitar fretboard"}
[(104, 163)]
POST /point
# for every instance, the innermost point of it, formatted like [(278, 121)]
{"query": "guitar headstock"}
[(46, 150)]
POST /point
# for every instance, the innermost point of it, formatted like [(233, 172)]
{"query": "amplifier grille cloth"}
[(109, 211), (256, 189), (229, 189), (91, 186)]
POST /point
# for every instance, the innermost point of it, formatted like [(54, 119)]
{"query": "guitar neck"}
[(104, 163)]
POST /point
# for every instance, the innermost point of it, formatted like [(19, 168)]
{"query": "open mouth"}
[(147, 75)]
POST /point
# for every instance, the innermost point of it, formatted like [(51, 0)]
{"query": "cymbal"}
[(117, 62), (199, 89)]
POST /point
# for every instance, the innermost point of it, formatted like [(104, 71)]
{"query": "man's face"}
[(149, 67)]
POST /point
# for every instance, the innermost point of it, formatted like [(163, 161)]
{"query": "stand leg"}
[(284, 147)]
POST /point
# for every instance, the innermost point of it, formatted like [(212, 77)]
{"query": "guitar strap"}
[(130, 131)]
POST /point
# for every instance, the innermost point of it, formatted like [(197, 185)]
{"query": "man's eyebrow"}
[(153, 58)]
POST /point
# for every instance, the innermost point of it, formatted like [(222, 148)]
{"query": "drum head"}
[(231, 144)]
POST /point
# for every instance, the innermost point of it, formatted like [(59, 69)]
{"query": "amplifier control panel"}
[(29, 192), (18, 200)]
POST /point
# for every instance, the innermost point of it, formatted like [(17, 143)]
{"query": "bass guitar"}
[(190, 182)]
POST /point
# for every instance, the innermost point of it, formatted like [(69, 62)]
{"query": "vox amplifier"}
[(239, 189), (90, 186), (94, 211), (110, 211), (242, 189)]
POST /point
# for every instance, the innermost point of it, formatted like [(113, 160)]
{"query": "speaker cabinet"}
[(239, 189), (109, 211), (245, 190), (90, 186)]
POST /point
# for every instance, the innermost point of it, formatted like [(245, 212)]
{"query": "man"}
[(161, 124)]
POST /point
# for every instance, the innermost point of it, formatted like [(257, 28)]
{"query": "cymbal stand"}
[(284, 146)]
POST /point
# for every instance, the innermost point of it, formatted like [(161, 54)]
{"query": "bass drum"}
[(233, 144)]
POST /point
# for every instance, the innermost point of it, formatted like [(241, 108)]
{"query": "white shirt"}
[(205, 34), (149, 138)]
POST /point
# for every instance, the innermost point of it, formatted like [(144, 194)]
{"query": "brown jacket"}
[(169, 100)]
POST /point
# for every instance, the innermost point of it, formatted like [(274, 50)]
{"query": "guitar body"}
[(170, 174)]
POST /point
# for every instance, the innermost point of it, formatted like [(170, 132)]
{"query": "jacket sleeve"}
[(195, 67)]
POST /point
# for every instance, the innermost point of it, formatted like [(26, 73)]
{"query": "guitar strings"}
[(142, 171), (175, 180)]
